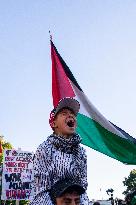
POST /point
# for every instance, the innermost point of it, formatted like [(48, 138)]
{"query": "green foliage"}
[(23, 202), (13, 202), (5, 145), (130, 182), (9, 202)]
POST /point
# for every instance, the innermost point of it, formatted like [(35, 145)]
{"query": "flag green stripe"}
[(95, 136)]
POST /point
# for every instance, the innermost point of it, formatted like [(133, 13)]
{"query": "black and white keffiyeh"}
[(55, 159)]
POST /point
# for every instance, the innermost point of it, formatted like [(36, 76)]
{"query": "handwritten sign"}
[(17, 175)]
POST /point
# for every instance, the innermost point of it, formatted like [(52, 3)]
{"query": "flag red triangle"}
[(61, 86)]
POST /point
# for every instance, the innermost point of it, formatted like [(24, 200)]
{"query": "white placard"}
[(17, 175)]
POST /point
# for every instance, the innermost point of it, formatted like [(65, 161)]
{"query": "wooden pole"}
[(17, 202)]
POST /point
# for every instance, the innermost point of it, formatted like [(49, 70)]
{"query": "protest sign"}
[(17, 175)]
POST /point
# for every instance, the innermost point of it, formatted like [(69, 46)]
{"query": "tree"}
[(3, 145), (130, 182)]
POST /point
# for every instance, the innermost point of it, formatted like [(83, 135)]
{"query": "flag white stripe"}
[(89, 110)]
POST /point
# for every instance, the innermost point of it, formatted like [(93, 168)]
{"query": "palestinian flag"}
[(95, 130)]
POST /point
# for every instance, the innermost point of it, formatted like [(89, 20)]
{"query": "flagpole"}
[(50, 35)]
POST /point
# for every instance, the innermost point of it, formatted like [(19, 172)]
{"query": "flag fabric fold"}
[(95, 130)]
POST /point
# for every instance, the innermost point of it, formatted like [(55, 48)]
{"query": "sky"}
[(97, 40)]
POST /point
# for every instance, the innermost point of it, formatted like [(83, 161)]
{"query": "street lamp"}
[(111, 195)]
